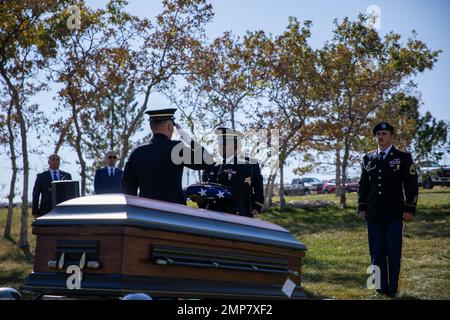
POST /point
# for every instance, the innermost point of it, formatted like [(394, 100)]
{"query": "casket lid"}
[(127, 210)]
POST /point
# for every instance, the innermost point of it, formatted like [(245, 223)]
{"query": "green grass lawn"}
[(337, 256), (15, 266)]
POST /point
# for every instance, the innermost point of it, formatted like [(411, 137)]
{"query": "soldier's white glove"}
[(185, 136)]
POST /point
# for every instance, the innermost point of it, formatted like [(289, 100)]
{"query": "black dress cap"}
[(162, 114), (382, 126)]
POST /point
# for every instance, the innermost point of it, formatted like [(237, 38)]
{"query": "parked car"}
[(328, 187), (296, 188), (432, 174), (311, 185), (352, 185)]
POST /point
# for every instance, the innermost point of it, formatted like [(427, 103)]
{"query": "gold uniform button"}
[(379, 177), (379, 192), (379, 185)]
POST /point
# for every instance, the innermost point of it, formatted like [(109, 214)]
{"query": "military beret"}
[(383, 126), (162, 114)]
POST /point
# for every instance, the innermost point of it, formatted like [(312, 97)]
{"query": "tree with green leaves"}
[(403, 113), (362, 72), (114, 58), (431, 141), (8, 132), (226, 74), (79, 93), (293, 90), (27, 43)]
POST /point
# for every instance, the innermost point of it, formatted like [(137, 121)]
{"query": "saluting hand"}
[(185, 136), (408, 216)]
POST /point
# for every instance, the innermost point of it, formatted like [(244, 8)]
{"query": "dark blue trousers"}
[(385, 246)]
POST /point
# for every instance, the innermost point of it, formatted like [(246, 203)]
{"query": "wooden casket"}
[(126, 244)]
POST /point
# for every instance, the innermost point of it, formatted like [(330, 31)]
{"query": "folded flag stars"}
[(208, 191)]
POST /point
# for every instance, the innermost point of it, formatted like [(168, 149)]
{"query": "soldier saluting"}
[(154, 170), (387, 196), (240, 175)]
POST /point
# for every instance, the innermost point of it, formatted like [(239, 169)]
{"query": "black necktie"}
[(111, 172), (55, 176), (381, 156)]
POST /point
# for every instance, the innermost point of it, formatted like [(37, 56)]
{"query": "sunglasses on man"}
[(112, 157)]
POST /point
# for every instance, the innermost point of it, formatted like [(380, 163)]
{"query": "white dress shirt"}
[(53, 172), (386, 152), (111, 169)]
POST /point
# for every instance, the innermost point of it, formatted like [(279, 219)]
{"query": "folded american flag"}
[(208, 191)]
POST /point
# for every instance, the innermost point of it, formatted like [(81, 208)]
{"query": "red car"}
[(352, 185), (329, 186)]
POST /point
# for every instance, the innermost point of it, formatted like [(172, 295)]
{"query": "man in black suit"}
[(42, 191), (108, 179), (240, 175), (387, 196), (155, 169)]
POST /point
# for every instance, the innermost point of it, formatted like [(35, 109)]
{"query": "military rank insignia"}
[(412, 170)]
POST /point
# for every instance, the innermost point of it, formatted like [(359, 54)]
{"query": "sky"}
[(430, 19)]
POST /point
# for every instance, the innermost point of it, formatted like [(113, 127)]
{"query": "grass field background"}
[(337, 256)]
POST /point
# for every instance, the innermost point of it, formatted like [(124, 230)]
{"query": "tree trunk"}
[(124, 153), (337, 191), (12, 186), (23, 239), (281, 192), (343, 198), (268, 191), (80, 152), (62, 136), (232, 119), (9, 216), (112, 143)]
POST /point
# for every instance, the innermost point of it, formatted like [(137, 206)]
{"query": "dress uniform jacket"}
[(244, 180), (42, 192), (152, 170), (104, 183), (387, 188)]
